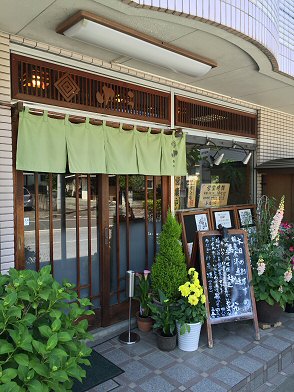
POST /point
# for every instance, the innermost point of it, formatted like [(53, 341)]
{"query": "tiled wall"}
[(275, 135), (6, 179)]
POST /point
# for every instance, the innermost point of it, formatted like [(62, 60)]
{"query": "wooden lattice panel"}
[(202, 115), (53, 84)]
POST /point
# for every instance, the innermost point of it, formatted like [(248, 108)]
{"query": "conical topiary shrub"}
[(169, 270)]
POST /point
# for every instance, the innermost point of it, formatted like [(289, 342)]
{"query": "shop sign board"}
[(213, 195)]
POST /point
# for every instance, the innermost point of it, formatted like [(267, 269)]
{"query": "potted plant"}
[(144, 320), (271, 268), (287, 241), (191, 313), (42, 337), (165, 323), (169, 270)]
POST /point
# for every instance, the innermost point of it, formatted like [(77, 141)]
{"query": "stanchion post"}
[(129, 337)]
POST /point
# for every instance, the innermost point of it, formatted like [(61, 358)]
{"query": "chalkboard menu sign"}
[(226, 276)]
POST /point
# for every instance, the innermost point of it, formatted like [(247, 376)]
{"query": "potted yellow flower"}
[(191, 313)]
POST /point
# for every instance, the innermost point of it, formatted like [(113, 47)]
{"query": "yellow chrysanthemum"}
[(196, 282), (185, 291), (191, 271), (198, 293), (203, 299), (187, 284), (193, 300), (195, 276), (193, 287)]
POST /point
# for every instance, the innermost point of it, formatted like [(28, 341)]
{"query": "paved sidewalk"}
[(236, 362)]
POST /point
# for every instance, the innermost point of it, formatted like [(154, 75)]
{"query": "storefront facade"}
[(92, 227)]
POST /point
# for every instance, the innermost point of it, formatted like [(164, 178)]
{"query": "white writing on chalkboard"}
[(227, 276)]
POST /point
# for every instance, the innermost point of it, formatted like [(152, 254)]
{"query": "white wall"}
[(6, 177)]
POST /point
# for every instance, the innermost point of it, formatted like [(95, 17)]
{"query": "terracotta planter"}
[(144, 323), (268, 314), (166, 343)]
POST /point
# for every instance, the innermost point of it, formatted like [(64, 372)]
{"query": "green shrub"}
[(169, 270), (41, 341)]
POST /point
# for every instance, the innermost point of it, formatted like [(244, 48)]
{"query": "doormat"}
[(101, 370)]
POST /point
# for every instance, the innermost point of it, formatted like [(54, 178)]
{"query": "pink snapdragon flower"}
[(291, 249), (146, 273), (288, 275), (260, 266), (277, 219)]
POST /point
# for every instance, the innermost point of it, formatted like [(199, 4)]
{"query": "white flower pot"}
[(189, 341)]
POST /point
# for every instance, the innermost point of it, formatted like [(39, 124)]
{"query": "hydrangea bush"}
[(42, 338)]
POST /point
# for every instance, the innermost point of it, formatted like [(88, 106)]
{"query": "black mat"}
[(101, 370)]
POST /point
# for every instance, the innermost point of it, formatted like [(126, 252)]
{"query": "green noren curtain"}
[(85, 147), (120, 147), (173, 160), (45, 143), (41, 145), (148, 148)]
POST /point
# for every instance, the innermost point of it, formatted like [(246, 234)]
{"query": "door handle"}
[(106, 236)]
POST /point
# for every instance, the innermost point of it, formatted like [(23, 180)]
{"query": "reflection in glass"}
[(201, 171)]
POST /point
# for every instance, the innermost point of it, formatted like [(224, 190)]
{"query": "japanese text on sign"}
[(214, 195), (227, 276)]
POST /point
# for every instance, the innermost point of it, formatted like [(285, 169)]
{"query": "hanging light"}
[(248, 154), (212, 159)]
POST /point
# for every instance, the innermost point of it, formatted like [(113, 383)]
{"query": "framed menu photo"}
[(246, 215), (192, 221), (202, 222), (225, 216)]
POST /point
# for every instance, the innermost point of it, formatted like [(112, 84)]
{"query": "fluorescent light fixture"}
[(121, 39)]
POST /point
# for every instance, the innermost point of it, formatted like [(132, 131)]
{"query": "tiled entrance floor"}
[(236, 362)]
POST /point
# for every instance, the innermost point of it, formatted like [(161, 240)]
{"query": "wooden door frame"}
[(109, 313)]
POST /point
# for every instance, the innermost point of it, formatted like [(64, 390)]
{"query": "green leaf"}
[(59, 375), (21, 359), (24, 295), (29, 319), (10, 299), (8, 375), (39, 347), (55, 313), (64, 337), (14, 311), (10, 387), (52, 342), (26, 343), (22, 372), (276, 295), (56, 325), (39, 368), (45, 331), (5, 347), (35, 386), (45, 294)]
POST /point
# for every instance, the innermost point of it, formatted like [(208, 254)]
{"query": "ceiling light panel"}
[(127, 45)]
